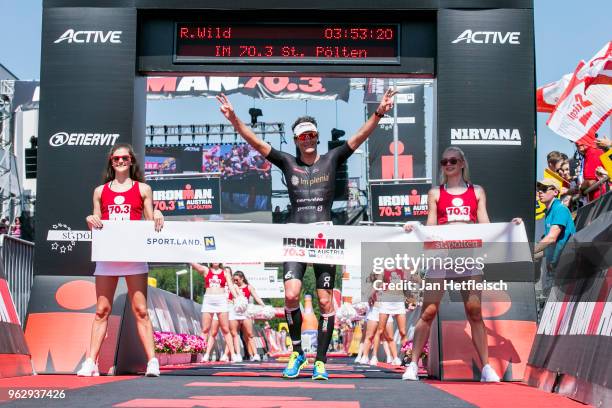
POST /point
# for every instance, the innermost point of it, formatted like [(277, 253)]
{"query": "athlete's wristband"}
[(380, 115)]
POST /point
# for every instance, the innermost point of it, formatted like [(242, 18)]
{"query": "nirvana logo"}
[(319, 247)]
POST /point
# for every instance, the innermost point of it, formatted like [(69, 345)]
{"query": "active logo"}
[(83, 139), (486, 137), (488, 37), (87, 37)]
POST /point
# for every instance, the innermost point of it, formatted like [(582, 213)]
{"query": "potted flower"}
[(407, 349), (173, 348)]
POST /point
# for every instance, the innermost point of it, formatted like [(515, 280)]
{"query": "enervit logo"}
[(488, 37), (83, 139), (87, 37), (486, 137)]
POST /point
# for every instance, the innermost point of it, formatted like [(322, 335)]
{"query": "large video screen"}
[(246, 183)]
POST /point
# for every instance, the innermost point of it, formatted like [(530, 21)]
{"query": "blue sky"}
[(565, 32)]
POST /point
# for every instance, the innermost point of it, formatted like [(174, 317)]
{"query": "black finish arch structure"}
[(95, 56)]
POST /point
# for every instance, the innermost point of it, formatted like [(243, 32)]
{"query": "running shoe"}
[(365, 360), (396, 362), (256, 358), (205, 358), (374, 361), (236, 358), (296, 362), (412, 372), (88, 369), (152, 368), (319, 372), (224, 358), (358, 359), (389, 359), (489, 374)]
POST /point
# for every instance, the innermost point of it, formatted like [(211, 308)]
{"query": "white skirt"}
[(215, 303), (121, 268), (392, 308), (372, 314)]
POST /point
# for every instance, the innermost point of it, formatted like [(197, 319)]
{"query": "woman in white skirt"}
[(123, 197), (391, 307), (216, 281), (238, 318), (372, 339), (455, 201)]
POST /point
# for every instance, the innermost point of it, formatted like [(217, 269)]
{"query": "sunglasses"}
[(307, 136), (451, 161), (126, 158), (544, 189)]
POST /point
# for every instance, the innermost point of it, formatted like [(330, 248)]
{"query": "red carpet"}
[(278, 374), (272, 384), (504, 395)]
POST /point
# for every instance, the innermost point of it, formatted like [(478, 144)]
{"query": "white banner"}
[(184, 241)]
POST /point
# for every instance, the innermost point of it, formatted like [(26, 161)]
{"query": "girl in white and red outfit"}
[(387, 310), (123, 196), (216, 280), (454, 201), (239, 320)]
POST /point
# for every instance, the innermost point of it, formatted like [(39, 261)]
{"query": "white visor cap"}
[(305, 127)]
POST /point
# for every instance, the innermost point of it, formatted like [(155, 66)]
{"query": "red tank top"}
[(127, 205), (457, 208), (215, 280), (245, 291)]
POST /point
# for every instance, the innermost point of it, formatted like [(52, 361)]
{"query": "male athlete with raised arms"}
[(310, 180)]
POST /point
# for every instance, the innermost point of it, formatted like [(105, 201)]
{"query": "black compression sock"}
[(294, 320), (326, 329)]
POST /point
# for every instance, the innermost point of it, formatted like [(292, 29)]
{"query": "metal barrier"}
[(18, 262)]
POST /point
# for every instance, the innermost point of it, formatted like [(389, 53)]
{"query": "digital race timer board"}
[(285, 43)]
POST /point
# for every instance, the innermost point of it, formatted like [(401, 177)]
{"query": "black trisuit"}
[(311, 192)]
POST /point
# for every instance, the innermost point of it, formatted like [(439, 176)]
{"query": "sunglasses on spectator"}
[(126, 158), (452, 161), (544, 189), (307, 136)]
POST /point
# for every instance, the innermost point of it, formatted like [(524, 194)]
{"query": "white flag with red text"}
[(587, 100), (547, 96)]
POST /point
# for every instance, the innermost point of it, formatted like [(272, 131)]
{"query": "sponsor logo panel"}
[(83, 139), (89, 37), (483, 136), (488, 37)]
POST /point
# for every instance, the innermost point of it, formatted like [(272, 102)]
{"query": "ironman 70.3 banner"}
[(193, 196), (399, 202)]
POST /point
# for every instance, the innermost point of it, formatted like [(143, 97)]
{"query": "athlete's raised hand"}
[(386, 103), (226, 107)]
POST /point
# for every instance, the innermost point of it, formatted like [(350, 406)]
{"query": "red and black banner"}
[(264, 87), (510, 323), (58, 327), (399, 202), (14, 353), (411, 134), (573, 346), (188, 196)]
